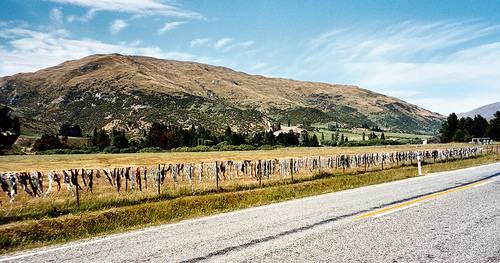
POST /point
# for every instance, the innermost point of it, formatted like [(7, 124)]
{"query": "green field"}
[(357, 134)]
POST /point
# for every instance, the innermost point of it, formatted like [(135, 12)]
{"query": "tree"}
[(100, 139), (364, 135), (48, 142), (448, 128), (493, 129), (322, 136), (119, 139), (313, 142), (479, 126), (64, 130), (382, 136), (9, 128), (67, 129), (289, 123), (75, 131), (459, 136), (342, 137)]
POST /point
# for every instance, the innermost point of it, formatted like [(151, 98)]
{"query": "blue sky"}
[(441, 55)]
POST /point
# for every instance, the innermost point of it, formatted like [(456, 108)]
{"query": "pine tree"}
[(322, 136), (493, 130), (364, 135), (382, 136)]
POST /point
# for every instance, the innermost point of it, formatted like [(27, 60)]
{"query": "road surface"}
[(445, 217)]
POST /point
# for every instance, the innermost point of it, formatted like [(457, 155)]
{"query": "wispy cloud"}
[(117, 26), (221, 43), (28, 50), (169, 26), (412, 60), (141, 7), (246, 43), (199, 42), (56, 16)]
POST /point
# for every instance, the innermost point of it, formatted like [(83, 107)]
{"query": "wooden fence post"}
[(217, 175), (319, 164), (260, 173), (159, 178), (77, 195)]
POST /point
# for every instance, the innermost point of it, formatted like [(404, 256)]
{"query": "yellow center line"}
[(418, 200)]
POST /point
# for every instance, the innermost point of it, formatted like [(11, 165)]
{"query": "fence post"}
[(260, 173), (291, 168), (77, 194), (343, 164), (365, 158), (158, 173), (217, 175), (319, 164)]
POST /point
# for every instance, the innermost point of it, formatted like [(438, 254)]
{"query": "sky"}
[(440, 55)]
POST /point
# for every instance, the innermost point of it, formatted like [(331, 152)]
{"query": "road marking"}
[(484, 183), (414, 202), (396, 210)]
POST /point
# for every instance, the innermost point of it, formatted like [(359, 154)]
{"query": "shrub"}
[(129, 150), (111, 149), (151, 150), (246, 147)]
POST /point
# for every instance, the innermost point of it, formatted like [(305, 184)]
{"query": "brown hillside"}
[(103, 89)]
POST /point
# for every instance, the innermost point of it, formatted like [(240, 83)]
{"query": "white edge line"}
[(484, 183)]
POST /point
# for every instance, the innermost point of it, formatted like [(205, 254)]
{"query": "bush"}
[(129, 150), (267, 147), (246, 147), (111, 149), (150, 150), (48, 142)]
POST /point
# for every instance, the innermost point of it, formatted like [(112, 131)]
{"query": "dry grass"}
[(119, 212), (93, 161)]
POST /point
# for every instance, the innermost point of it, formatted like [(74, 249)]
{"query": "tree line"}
[(161, 136), (466, 128)]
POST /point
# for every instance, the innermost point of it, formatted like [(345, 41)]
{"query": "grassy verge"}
[(33, 233)]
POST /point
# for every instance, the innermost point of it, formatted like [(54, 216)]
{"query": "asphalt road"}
[(444, 217)]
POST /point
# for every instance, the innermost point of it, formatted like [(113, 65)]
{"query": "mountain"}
[(486, 111), (134, 91)]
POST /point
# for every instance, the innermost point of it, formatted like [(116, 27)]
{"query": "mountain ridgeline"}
[(131, 92)]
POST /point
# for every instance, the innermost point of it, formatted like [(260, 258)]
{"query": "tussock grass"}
[(117, 215)]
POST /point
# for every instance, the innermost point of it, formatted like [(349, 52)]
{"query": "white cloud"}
[(199, 42), (246, 43), (56, 16), (117, 26), (422, 63), (221, 43), (87, 17), (169, 26), (141, 7), (29, 50)]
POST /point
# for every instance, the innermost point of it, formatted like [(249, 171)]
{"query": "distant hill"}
[(133, 91), (486, 111)]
